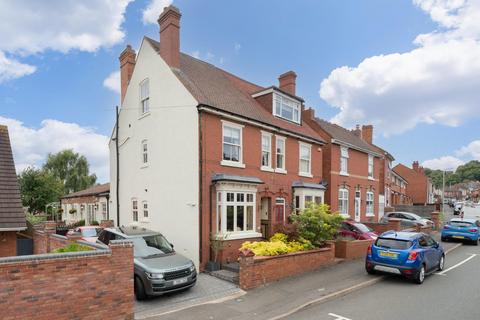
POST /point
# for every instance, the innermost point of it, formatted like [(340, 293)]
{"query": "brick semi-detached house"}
[(12, 216), (419, 186), (203, 153), (351, 169)]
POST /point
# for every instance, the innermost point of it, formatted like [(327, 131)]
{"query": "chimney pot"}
[(127, 65), (287, 82), (169, 22)]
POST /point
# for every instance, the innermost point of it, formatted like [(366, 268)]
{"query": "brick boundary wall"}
[(94, 284), (348, 249), (257, 271), (379, 228)]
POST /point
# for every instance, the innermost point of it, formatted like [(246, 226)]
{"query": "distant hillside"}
[(468, 172)]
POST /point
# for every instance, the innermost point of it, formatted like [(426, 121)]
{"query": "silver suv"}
[(158, 268)]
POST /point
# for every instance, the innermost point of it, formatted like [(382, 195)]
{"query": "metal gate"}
[(24, 247)]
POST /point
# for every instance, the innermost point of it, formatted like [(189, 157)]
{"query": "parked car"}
[(356, 230), (458, 208), (88, 233), (410, 254), (462, 229), (408, 219), (158, 269)]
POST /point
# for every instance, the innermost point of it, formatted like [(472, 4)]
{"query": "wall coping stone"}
[(298, 253), (53, 256), (59, 236)]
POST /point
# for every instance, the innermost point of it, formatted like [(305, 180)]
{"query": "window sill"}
[(282, 171), (304, 174), (144, 166), (371, 178), (238, 235), (345, 174), (345, 215), (269, 169), (370, 215), (145, 220), (144, 115), (232, 164)]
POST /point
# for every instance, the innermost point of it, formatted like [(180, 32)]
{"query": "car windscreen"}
[(393, 243), (362, 227), (461, 224), (151, 246), (91, 232)]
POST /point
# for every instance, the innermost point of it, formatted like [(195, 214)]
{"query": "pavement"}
[(207, 290), (286, 297)]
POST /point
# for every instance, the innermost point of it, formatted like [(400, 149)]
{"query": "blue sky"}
[(408, 67)]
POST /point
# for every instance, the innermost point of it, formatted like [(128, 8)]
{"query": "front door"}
[(265, 217), (357, 205), (280, 210)]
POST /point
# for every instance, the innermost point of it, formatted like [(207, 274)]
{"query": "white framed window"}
[(305, 196), (134, 210), (369, 202), (144, 96), (343, 201), (286, 108), (305, 160), (145, 209), (144, 152), (232, 145), (370, 166), (344, 160), (104, 210), (280, 148), (266, 151), (236, 211)]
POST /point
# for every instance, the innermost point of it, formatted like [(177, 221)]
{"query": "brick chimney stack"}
[(357, 131), (367, 133), (169, 22), (127, 64), (286, 82), (416, 167)]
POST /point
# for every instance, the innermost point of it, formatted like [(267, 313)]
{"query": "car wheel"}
[(441, 263), (139, 289), (420, 276), (444, 239), (475, 242), (369, 270)]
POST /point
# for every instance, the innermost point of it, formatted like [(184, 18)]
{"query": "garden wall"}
[(95, 284), (379, 228), (256, 271), (346, 249)]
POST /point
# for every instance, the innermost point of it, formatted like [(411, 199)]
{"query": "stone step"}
[(233, 266), (226, 275)]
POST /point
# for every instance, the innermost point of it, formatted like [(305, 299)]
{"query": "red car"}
[(356, 230), (89, 233)]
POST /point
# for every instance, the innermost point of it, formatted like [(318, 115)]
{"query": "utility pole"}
[(118, 168), (443, 192)]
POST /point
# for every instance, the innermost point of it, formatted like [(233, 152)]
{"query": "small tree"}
[(317, 223)]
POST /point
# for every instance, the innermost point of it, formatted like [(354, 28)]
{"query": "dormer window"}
[(286, 108)]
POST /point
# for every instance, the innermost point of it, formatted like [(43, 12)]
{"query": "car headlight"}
[(155, 275), (192, 268)]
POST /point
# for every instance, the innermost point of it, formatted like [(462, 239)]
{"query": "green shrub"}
[(33, 219), (94, 223), (72, 247), (277, 245), (317, 223)]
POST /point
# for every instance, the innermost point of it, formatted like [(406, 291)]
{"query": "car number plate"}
[(387, 254), (179, 281), (458, 237)]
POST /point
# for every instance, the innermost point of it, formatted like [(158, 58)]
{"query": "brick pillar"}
[(435, 216), (49, 228), (394, 224)]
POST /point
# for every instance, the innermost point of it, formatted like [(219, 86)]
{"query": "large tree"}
[(464, 173), (39, 188), (469, 171), (72, 169)]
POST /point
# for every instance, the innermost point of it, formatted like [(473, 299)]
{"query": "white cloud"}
[(32, 145), (32, 27), (154, 9), (112, 82), (472, 150), (12, 69), (237, 46), (443, 163), (435, 83)]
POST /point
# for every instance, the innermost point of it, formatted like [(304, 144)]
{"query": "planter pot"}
[(212, 266)]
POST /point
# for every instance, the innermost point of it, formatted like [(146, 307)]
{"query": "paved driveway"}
[(207, 290)]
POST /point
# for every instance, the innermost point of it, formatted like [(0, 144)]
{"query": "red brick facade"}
[(8, 243), (82, 286), (419, 187), (276, 185)]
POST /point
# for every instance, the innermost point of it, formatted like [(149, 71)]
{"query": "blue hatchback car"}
[(462, 229), (410, 254)]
